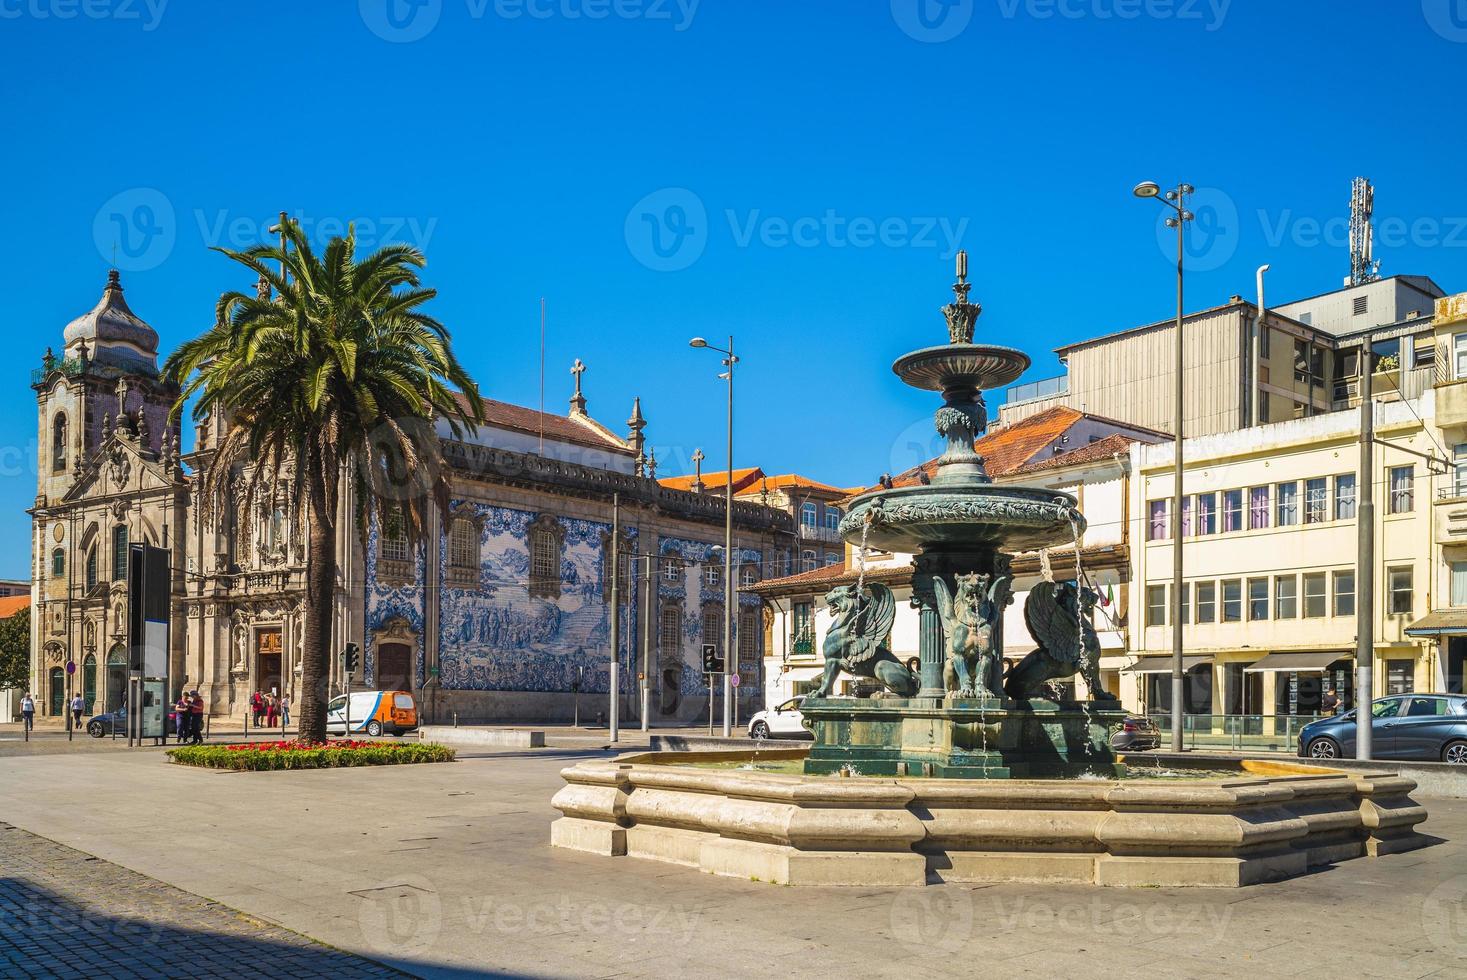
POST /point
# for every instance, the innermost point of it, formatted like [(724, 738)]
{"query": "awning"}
[(1163, 665), (1445, 622), (1303, 663)]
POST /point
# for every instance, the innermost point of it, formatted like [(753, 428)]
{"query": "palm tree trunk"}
[(320, 589)]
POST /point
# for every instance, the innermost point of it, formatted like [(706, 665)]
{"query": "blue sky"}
[(792, 172)]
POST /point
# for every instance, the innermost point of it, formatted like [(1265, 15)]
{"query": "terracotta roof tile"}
[(1099, 449), (12, 604), (562, 428), (742, 480), (828, 577)]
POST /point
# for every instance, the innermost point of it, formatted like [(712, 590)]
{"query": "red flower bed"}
[(297, 746)]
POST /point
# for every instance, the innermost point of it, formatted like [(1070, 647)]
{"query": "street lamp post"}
[(729, 360), (1177, 201)]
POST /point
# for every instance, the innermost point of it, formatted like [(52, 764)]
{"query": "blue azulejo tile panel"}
[(385, 602)]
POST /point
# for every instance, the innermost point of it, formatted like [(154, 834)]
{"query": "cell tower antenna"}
[(1364, 267)]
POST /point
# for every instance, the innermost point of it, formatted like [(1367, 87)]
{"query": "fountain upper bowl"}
[(949, 366), (962, 516)]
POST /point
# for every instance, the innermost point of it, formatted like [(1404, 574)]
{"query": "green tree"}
[(15, 650), (333, 374)]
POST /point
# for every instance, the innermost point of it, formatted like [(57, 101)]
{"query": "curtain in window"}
[(1258, 508), (1157, 528), (1459, 583)]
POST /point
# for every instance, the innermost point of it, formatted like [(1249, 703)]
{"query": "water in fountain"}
[(1088, 703)]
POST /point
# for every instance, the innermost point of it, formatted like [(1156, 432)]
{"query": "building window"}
[(1316, 500), (1423, 350), (1345, 593), (1206, 602), (748, 574), (119, 553), (1263, 341), (1186, 611), (809, 516), (671, 631), (1206, 513), (1459, 470), (672, 571), (463, 544), (1345, 497), (91, 568), (1399, 583), (1186, 521), (1257, 508), (748, 638), (1286, 509), (394, 536), (1459, 583), (809, 560), (1285, 597), (1459, 356), (58, 563), (1301, 361), (1156, 526), (712, 574), (1156, 605), (832, 518), (1232, 590), (1403, 479), (1401, 678), (58, 443), (1257, 599), (1232, 511), (713, 627), (831, 558), (1316, 601)]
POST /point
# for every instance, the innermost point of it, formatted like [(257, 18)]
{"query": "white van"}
[(373, 713)]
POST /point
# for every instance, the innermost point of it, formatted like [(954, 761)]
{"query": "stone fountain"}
[(960, 716)]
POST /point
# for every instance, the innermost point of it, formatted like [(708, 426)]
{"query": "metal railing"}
[(1278, 733), (1044, 388)]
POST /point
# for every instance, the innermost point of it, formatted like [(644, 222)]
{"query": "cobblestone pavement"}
[(64, 913)]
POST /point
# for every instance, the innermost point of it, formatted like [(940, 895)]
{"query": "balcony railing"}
[(803, 645), (71, 367), (1045, 388)]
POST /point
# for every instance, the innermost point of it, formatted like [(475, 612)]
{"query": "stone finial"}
[(962, 316), (262, 289), (651, 464), (143, 429), (635, 439), (578, 400), (106, 425)]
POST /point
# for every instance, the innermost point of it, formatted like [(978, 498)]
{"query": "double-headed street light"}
[(729, 360), (1177, 201)]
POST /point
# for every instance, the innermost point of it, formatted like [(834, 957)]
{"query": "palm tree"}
[(339, 376)]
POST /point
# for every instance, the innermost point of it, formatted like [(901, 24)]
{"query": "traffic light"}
[(353, 657), (712, 662)]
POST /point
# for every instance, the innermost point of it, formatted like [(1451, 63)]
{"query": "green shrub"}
[(272, 756)]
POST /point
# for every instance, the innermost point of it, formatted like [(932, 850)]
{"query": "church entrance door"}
[(267, 660), (394, 667)]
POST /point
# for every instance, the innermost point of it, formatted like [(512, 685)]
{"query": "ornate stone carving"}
[(856, 641), (1058, 617), (970, 624)]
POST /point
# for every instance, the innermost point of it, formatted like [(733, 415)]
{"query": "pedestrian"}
[(1330, 703), (181, 717), (272, 711), (77, 707), (28, 711), (196, 718), (257, 707), (284, 711)]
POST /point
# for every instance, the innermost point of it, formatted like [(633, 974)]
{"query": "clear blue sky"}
[(534, 149)]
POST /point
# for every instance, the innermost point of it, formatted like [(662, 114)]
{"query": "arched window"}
[(119, 553), (832, 517), (89, 681), (671, 631), (58, 563), (713, 626), (546, 537), (809, 560), (831, 558), (749, 574), (91, 568), (463, 544), (672, 570), (394, 535), (808, 515), (58, 443)]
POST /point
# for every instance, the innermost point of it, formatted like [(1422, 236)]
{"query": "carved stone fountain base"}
[(969, 738)]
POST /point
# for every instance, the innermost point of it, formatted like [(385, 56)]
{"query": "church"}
[(505, 615)]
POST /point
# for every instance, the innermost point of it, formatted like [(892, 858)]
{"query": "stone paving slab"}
[(64, 913), (446, 871)]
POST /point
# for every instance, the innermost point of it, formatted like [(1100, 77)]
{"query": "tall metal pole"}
[(646, 641), (728, 582), (1365, 559), (615, 684), (1178, 678)]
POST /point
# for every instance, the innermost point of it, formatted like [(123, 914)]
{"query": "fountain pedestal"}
[(967, 738)]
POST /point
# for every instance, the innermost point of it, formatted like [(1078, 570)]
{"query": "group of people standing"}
[(188, 714), (270, 710)]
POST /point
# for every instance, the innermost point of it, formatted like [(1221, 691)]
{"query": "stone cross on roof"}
[(578, 400), (698, 458)]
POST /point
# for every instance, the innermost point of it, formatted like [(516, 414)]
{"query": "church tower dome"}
[(113, 334)]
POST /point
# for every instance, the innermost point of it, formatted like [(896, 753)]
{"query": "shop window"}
[(1401, 677)]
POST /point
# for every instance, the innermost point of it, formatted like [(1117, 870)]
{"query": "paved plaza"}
[(445, 871)]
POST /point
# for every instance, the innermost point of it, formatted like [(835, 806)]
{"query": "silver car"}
[(1426, 727)]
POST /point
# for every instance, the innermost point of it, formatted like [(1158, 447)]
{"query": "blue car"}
[(1425, 727)]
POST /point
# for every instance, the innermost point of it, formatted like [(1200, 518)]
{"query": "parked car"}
[(373, 712), (104, 724), (1406, 726), (1135, 734), (782, 721)]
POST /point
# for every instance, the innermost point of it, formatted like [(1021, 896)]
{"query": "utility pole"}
[(1365, 559), (646, 641), (615, 573)]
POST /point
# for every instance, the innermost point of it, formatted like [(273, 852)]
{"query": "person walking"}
[(1330, 703), (196, 717), (77, 707), (284, 712), (28, 711)]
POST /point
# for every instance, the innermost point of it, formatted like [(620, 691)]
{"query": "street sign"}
[(734, 680), (71, 666)]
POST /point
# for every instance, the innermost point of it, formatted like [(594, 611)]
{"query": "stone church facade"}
[(505, 615)]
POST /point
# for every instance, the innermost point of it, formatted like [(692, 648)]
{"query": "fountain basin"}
[(1261, 822), (962, 516), (961, 366)]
